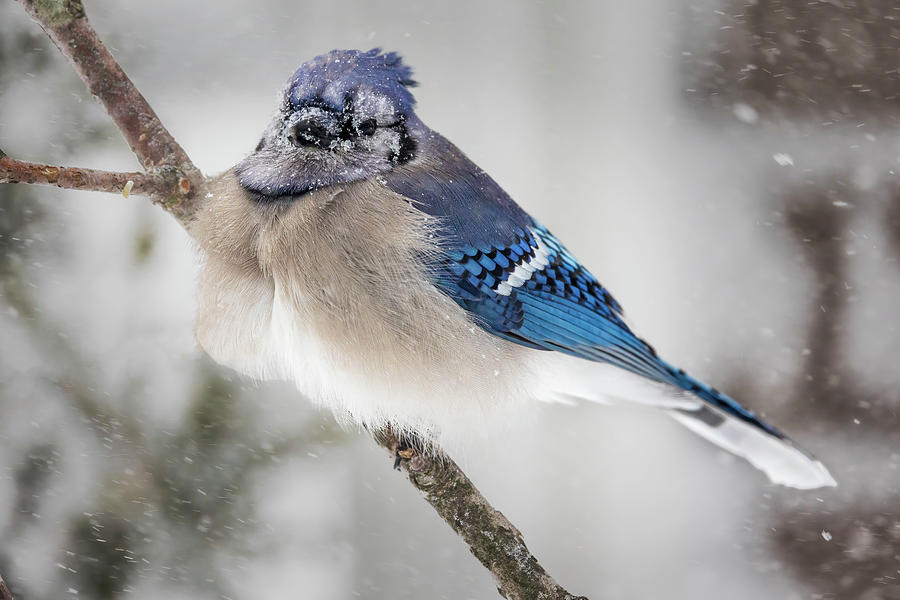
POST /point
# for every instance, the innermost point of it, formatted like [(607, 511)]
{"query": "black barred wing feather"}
[(519, 282), (534, 292)]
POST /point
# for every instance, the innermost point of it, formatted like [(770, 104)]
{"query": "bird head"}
[(345, 116)]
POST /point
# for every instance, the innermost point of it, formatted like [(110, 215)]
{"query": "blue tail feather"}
[(719, 400)]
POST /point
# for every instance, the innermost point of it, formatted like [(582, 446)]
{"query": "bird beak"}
[(313, 126)]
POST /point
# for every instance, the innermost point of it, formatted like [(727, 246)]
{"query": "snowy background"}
[(726, 168)]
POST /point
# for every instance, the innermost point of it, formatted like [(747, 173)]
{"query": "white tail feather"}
[(573, 379), (781, 461)]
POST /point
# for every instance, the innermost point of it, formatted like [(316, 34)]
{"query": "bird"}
[(364, 257)]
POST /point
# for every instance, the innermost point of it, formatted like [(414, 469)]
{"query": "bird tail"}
[(729, 425)]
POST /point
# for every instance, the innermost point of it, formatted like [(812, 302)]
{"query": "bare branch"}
[(5, 594), (143, 184), (491, 537), (66, 23)]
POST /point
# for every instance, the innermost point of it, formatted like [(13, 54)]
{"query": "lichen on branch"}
[(58, 13)]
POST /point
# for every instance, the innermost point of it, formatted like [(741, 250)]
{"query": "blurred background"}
[(726, 168)]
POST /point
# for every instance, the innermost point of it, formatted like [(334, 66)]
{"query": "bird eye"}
[(367, 127)]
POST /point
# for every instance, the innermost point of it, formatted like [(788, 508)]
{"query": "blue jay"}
[(364, 257)]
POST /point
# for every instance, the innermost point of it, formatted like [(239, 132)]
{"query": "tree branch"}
[(5, 594), (173, 181), (65, 22), (491, 537), (143, 184)]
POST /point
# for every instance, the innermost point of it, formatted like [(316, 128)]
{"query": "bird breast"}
[(331, 290)]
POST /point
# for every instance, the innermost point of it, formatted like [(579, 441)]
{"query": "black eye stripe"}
[(408, 147)]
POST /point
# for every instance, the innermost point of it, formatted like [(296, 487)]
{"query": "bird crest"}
[(333, 78)]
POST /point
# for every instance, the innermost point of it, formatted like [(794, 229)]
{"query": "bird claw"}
[(404, 451)]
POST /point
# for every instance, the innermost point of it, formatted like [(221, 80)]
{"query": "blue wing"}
[(520, 283)]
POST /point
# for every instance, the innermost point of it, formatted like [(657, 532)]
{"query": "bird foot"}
[(405, 451)]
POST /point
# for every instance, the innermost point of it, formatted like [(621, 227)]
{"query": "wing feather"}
[(520, 283)]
